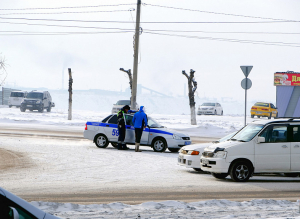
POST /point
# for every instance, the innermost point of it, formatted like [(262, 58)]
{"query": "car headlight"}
[(38, 101), (193, 152), (220, 154), (177, 137)]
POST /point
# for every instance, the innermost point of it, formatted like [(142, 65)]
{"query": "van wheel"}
[(101, 141), (174, 149), (49, 109), (219, 175), (159, 145), (22, 109), (241, 171), (10, 106)]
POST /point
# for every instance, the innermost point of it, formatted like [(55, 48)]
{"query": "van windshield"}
[(247, 133), (35, 95), (17, 94)]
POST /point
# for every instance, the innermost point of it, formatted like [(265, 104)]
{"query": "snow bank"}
[(260, 208)]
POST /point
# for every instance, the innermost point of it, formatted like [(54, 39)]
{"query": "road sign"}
[(246, 69), (249, 83)]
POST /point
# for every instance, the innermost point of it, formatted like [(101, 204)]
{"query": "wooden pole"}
[(70, 94)]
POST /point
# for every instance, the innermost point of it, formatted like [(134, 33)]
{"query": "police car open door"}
[(130, 133)]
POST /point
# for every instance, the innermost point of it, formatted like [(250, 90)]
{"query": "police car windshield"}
[(247, 133), (35, 95), (153, 124), (208, 104)]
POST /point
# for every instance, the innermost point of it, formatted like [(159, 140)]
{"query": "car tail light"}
[(253, 108), (85, 127), (195, 153)]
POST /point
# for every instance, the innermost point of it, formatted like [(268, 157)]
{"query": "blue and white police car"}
[(155, 135)]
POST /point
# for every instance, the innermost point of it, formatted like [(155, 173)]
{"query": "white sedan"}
[(210, 109), (189, 156)]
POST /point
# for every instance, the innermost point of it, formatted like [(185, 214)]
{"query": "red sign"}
[(287, 79)]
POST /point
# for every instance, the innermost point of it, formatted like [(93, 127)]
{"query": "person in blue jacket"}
[(140, 122)]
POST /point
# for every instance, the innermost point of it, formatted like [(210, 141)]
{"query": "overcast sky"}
[(95, 58)]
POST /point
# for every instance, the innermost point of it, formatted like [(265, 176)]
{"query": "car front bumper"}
[(173, 143), (189, 161), (32, 106), (206, 112), (214, 165)]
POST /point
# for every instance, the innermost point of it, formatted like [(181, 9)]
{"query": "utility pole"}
[(192, 88), (136, 55), (130, 79), (70, 94)]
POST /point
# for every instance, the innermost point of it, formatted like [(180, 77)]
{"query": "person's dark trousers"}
[(122, 132), (138, 135)]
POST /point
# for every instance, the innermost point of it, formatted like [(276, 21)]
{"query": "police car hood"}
[(169, 132), (196, 147), (224, 144)]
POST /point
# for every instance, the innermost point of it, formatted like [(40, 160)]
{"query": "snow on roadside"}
[(259, 208), (207, 126)]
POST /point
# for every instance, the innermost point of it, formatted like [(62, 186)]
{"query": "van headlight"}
[(220, 154), (177, 137)]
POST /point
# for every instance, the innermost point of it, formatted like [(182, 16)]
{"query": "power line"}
[(55, 8), (218, 13), (155, 22), (222, 32), (20, 33), (69, 12), (230, 40)]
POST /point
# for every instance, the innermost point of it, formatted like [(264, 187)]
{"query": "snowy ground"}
[(66, 166), (175, 209)]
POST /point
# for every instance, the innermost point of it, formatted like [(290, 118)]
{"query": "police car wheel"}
[(174, 149), (159, 145), (101, 141)]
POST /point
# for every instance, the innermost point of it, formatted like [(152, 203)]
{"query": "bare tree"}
[(192, 88), (130, 79), (3, 73)]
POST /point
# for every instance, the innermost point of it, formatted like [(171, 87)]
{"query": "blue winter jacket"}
[(139, 117)]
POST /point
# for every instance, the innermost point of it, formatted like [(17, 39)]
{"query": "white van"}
[(16, 98), (260, 147)]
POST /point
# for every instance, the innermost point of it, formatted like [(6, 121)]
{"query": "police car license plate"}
[(204, 161), (187, 143)]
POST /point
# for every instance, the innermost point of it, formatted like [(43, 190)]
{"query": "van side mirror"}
[(261, 140), (13, 213)]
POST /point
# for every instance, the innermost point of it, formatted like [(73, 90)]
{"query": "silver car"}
[(210, 109)]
